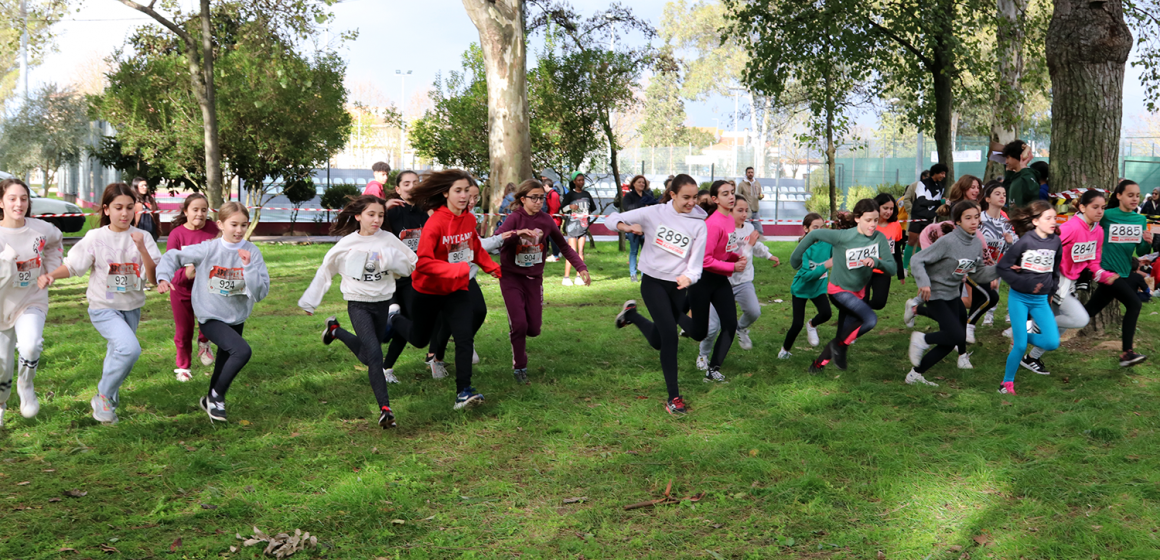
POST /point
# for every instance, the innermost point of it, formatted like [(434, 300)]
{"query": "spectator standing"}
[(1022, 182), (750, 188), (375, 188)]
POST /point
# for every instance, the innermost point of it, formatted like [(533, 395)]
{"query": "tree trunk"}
[(944, 102), (831, 165), (501, 37), (1008, 110), (610, 135), (1087, 47)]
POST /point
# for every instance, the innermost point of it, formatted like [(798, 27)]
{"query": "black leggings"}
[(951, 315), (666, 304), (877, 290), (478, 315), (799, 316), (369, 320), (714, 289), (1120, 290), (983, 299), (855, 319), (404, 296), (232, 355), (454, 309)]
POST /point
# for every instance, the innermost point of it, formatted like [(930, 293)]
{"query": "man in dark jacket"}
[(1021, 181), (928, 196)]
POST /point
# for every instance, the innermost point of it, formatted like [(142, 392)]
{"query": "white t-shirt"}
[(36, 250), (117, 272)]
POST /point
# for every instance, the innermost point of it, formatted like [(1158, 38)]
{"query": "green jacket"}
[(811, 278), (849, 248), (1117, 257), (1022, 187)]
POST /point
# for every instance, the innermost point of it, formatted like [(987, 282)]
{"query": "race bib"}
[(226, 281), (965, 267), (410, 238), (363, 266), (1038, 260), (26, 272), (582, 218), (1125, 233), (854, 256), (891, 242), (530, 252), (1083, 252), (123, 278), (731, 245), (672, 241)]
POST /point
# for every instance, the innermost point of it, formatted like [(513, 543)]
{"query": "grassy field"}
[(851, 464)]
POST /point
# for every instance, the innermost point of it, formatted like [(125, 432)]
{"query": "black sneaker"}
[(328, 333), (622, 317), (1034, 364), (713, 375), (1131, 358), (816, 366), (521, 375), (215, 409), (676, 406), (839, 352), (387, 418)]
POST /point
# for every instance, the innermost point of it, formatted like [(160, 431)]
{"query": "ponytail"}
[(1021, 218)]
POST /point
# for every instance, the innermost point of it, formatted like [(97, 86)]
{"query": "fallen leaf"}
[(1097, 527), (398, 521), (244, 422), (955, 548), (208, 506), (982, 540), (881, 555), (176, 544), (53, 500), (67, 549), (233, 549), (75, 493), (752, 452), (576, 500), (190, 448), (1005, 403), (249, 489), (778, 301), (965, 556), (49, 470), (432, 518), (25, 483), (109, 549)]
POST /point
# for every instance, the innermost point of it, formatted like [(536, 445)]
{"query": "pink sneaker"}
[(1007, 388)]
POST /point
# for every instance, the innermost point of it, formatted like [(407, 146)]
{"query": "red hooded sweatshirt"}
[(447, 248)]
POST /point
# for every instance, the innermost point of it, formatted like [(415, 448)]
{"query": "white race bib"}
[(529, 255), (226, 281), (26, 272), (410, 238), (1083, 252), (731, 245), (461, 256), (123, 278), (1125, 233), (673, 241), (891, 242), (854, 256), (965, 267), (1038, 260)]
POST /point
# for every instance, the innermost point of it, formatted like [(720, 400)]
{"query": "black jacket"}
[(632, 201), (927, 198)]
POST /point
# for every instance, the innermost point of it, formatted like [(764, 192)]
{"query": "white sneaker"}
[(918, 345), (567, 281), (551, 258), (3, 409), (474, 357), (703, 362), (783, 355), (713, 375), (438, 368), (183, 375), (743, 339), (1008, 319), (103, 410), (812, 334), (970, 334), (965, 361), (1007, 333), (989, 318), (909, 312), (915, 377), (390, 376), (29, 406), (1032, 328), (205, 353)]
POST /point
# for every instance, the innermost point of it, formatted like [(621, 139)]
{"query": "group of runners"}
[(407, 265)]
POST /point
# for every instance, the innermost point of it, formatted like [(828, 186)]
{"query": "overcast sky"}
[(424, 36)]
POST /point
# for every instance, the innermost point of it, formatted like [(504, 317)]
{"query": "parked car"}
[(38, 206)]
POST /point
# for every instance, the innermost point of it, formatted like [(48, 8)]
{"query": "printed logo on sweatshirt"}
[(123, 278), (25, 272), (1039, 261), (672, 241), (965, 267), (1083, 252), (363, 266), (854, 256), (226, 281), (410, 238), (1125, 233)]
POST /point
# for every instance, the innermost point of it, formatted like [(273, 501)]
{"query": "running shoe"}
[(632, 278), (205, 353), (915, 377), (1007, 388), (622, 317), (918, 345), (970, 334), (331, 326), (29, 406), (552, 258), (474, 356), (103, 411), (438, 368), (965, 361), (389, 375), (1034, 364), (909, 311), (743, 339), (567, 281), (392, 312), (989, 318), (839, 352), (783, 354), (521, 375), (713, 374), (676, 406), (183, 375), (703, 362), (812, 334), (817, 365), (3, 409), (1008, 333), (468, 398), (215, 409), (386, 418), (1128, 359)]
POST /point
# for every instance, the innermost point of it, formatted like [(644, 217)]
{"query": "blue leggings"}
[(1020, 305)]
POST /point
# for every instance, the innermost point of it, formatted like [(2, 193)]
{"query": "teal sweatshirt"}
[(1123, 237), (849, 248), (811, 278)]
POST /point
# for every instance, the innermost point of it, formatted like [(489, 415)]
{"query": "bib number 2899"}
[(672, 241)]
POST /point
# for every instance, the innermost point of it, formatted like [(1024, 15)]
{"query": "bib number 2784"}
[(672, 241), (855, 256)]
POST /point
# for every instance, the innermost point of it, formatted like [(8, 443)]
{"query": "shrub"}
[(857, 193), (819, 200), (336, 196)]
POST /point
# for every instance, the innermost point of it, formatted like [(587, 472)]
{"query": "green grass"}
[(842, 465)]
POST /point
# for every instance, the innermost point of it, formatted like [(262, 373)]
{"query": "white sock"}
[(1037, 352)]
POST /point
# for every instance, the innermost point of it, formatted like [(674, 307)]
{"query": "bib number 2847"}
[(672, 241)]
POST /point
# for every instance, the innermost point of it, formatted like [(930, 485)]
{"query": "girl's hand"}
[(163, 287), (902, 281), (245, 256), (392, 203), (829, 263), (924, 293), (138, 239), (527, 233), (776, 261), (1016, 268), (495, 273), (1113, 277), (867, 261), (995, 284), (190, 272), (1038, 287), (754, 238), (587, 279), (740, 264), (1008, 237), (44, 281), (507, 234), (574, 207), (683, 282), (634, 228), (1147, 236)]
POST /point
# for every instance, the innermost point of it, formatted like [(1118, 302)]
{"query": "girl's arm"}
[(816, 273), (713, 264), (428, 264), (1102, 276), (696, 259), (176, 260), (147, 255), (254, 268), (401, 263), (638, 216), (53, 253), (570, 254), (886, 265), (318, 287), (827, 235), (79, 261), (482, 258)]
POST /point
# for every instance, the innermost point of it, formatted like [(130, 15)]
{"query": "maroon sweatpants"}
[(524, 298), (183, 320)]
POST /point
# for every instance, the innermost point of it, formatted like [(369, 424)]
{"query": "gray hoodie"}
[(942, 266), (224, 288)]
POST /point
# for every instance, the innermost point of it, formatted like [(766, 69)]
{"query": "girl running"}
[(34, 248), (522, 261), (809, 285), (442, 273), (1031, 268), (119, 258), (939, 271), (879, 287), (999, 235), (1125, 233), (233, 278), (861, 250), (714, 288), (745, 239), (190, 227), (673, 255), (577, 205), (368, 259)]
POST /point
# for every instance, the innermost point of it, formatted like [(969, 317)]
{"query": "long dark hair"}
[(675, 185), (431, 193), (524, 190), (1020, 218), (111, 193), (4, 189), (180, 219), (883, 198), (1114, 199), (1085, 199), (988, 190), (346, 223), (962, 206), (809, 221), (709, 206)]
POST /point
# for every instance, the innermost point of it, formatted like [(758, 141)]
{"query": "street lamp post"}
[(402, 74)]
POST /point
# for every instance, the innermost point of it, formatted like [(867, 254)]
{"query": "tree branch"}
[(894, 37), (148, 10)]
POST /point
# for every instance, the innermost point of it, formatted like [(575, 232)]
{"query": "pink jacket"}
[(1082, 246), (721, 237)]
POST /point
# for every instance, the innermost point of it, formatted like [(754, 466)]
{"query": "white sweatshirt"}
[(740, 237), (674, 243), (224, 289), (36, 250), (368, 264), (117, 276)]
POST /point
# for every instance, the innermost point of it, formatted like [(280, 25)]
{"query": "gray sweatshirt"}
[(224, 289), (942, 266)]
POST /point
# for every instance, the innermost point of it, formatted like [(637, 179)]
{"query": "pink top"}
[(721, 237), (374, 188), (1083, 244), (182, 236)]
